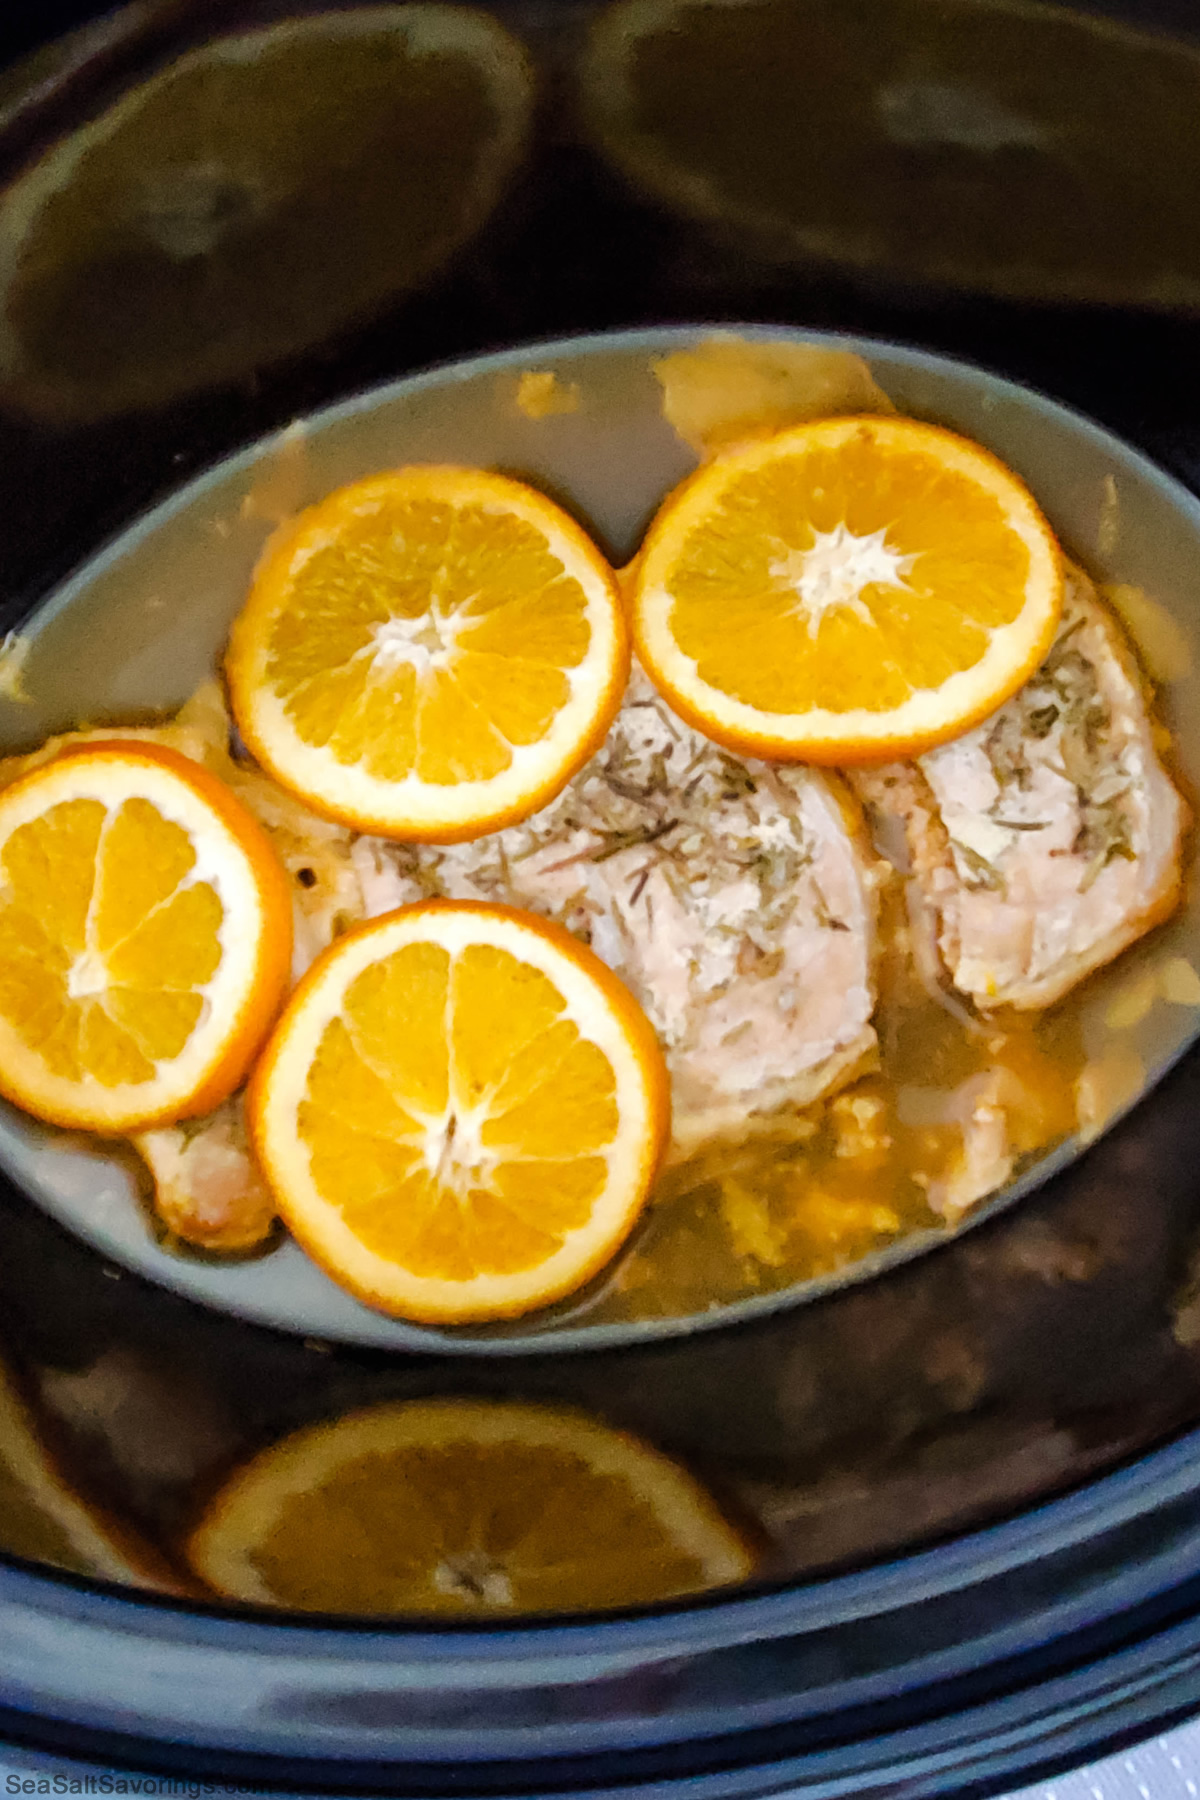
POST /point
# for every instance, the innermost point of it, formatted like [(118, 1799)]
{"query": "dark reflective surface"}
[(1025, 1358)]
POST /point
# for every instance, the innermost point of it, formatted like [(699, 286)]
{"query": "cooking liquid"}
[(854, 1173)]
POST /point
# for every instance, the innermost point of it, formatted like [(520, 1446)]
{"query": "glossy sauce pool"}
[(764, 1215)]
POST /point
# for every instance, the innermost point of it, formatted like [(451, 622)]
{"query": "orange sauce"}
[(863, 1168)]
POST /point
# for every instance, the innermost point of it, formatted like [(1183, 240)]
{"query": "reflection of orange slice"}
[(461, 1507), (256, 195), (1004, 145), (849, 589), (460, 1112), (145, 938), (45, 1519), (430, 653)]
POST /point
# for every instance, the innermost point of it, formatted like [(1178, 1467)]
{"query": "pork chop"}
[(208, 1190), (1048, 839), (736, 900)]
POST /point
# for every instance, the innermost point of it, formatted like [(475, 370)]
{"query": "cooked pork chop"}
[(1048, 839), (207, 1186), (735, 900)]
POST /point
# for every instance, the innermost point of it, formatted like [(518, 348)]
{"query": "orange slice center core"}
[(835, 569)]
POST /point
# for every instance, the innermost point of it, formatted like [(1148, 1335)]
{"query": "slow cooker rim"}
[(1038, 1727)]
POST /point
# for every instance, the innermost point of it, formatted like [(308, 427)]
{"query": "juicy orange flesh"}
[(457, 1526), (475, 589), (105, 940), (738, 611), (454, 1117)]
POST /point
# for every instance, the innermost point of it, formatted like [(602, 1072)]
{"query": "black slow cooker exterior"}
[(974, 1667), (1022, 1625)]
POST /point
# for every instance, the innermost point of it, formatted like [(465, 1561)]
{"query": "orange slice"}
[(460, 1112), (460, 1507), (49, 1519), (145, 939), (851, 589), (430, 653)]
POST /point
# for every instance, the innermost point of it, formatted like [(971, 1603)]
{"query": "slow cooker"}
[(973, 1468)]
